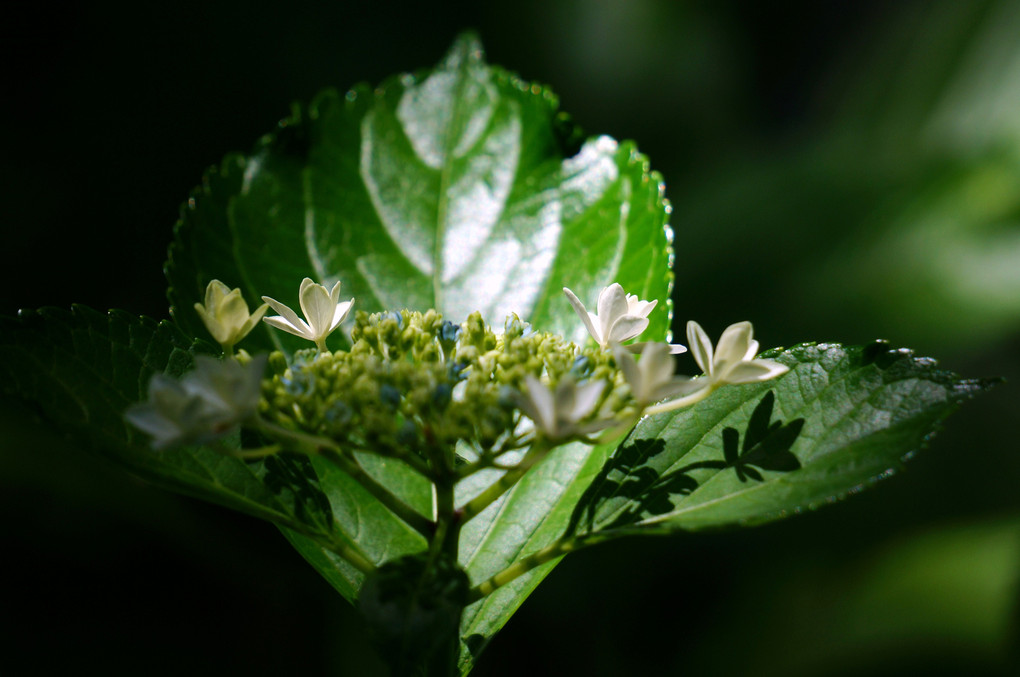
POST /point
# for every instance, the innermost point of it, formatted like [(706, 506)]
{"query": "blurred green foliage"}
[(838, 171)]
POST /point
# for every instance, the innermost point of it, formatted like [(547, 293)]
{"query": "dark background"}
[(839, 170)]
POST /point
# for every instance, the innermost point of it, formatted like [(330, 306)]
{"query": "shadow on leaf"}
[(632, 486), (293, 480)]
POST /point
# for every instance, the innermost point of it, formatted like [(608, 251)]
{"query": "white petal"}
[(752, 350), (210, 323), (629, 366), (341, 312), (317, 306), (626, 327), (612, 305), (674, 348), (657, 366), (701, 346), (756, 371), (636, 306), (584, 400), (287, 316), (254, 319), (281, 323), (733, 343), (215, 291), (541, 404), (679, 385), (146, 418), (583, 313)]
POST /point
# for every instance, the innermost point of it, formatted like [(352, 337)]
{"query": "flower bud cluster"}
[(412, 380)]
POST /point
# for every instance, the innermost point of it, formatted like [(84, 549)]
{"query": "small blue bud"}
[(397, 317), (450, 331), (389, 395), (456, 371), (580, 367), (300, 383), (442, 395), (339, 413)]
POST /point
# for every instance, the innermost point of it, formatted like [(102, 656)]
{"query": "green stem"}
[(505, 483), (680, 403), (448, 520), (350, 465), (523, 566), (353, 555), (346, 462), (261, 452)]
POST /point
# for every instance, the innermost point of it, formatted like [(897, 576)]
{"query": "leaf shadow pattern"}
[(292, 478), (633, 482)]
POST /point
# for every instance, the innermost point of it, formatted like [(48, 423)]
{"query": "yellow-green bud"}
[(225, 314)]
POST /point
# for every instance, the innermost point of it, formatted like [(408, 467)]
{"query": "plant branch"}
[(346, 462), (504, 483), (350, 465), (523, 566), (680, 403)]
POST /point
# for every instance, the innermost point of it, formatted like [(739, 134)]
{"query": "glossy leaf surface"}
[(462, 189), (842, 417), (83, 368)]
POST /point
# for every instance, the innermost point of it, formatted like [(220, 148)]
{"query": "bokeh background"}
[(842, 170)]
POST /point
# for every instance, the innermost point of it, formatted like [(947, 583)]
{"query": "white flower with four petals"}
[(557, 413), (619, 317), (207, 403), (733, 359), (322, 309), (226, 316), (651, 378)]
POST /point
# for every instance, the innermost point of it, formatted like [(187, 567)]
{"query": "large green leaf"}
[(462, 189), (841, 418), (82, 369)]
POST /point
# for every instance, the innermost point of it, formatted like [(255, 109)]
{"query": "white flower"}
[(322, 309), (226, 316), (732, 361), (620, 317), (207, 403), (651, 378), (557, 414)]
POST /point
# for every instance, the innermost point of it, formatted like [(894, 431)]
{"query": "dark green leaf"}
[(843, 417), (530, 517), (461, 189), (840, 419), (82, 369)]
